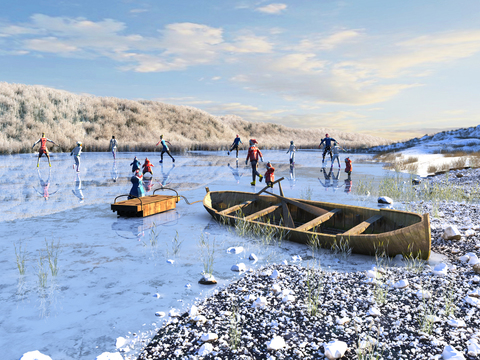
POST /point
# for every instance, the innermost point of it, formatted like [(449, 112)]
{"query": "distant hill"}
[(459, 140), (28, 110)]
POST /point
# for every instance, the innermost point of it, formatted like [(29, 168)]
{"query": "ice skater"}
[(269, 175), (76, 152), (253, 154), (113, 147), (137, 189), (348, 168), (165, 149), (336, 153), (147, 167), (327, 147), (292, 149), (234, 145), (43, 148), (135, 164)]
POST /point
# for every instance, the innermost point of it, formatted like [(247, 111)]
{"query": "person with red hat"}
[(147, 167), (234, 145), (348, 168), (328, 146), (253, 154), (269, 175)]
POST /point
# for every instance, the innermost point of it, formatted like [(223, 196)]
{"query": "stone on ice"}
[(402, 284), (450, 353), (170, 261), (275, 274), (276, 343), (296, 258), (239, 267), (35, 355), (173, 313), (385, 200), (193, 311), (335, 349), (456, 323), (440, 269), (253, 257), (160, 314), (373, 311), (104, 356), (451, 233), (235, 250), (205, 349), (206, 337), (207, 279), (473, 348)]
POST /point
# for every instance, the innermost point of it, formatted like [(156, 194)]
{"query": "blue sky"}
[(396, 69)]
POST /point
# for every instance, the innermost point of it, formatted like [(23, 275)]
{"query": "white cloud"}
[(50, 44), (138, 11), (216, 78), (275, 8), (317, 42), (249, 44)]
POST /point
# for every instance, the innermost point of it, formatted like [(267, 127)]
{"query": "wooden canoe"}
[(368, 231), (145, 205)]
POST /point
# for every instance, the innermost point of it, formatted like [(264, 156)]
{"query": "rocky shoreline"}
[(394, 311)]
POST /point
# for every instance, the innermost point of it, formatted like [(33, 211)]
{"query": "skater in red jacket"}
[(269, 175), (253, 154), (147, 167), (348, 167)]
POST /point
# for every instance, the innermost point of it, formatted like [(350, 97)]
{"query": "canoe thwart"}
[(266, 187), (360, 228), (287, 217), (262, 212), (306, 207), (318, 220), (236, 207)]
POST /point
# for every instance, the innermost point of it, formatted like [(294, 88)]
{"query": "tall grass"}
[(207, 253), (21, 257), (27, 111), (53, 250)]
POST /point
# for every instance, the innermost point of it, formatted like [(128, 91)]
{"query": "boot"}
[(261, 177), (253, 183)]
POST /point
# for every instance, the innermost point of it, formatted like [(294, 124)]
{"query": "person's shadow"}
[(166, 175)]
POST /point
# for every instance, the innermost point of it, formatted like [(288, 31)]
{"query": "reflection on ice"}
[(110, 267)]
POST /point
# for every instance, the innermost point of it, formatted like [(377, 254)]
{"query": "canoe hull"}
[(397, 232)]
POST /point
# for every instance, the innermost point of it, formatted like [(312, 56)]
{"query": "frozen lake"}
[(109, 269)]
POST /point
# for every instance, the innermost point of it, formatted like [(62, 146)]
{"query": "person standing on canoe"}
[(234, 145), (113, 146), (76, 152), (135, 164), (269, 175), (147, 167), (348, 168), (164, 149), (292, 150), (137, 189), (327, 147), (253, 154), (43, 149)]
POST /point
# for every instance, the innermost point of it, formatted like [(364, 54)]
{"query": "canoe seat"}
[(318, 220), (360, 228), (236, 207), (263, 212)]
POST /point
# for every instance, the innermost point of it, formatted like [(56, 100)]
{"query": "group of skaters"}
[(330, 146)]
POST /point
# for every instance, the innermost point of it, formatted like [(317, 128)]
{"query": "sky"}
[(395, 69)]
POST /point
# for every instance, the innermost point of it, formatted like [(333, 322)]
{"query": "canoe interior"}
[(145, 206), (368, 231)]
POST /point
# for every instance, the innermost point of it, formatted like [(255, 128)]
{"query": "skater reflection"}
[(348, 186), (45, 184), (114, 172), (148, 183), (78, 190), (328, 179), (292, 178), (335, 179), (236, 172), (165, 176)]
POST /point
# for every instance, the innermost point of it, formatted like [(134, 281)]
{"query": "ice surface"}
[(110, 268)]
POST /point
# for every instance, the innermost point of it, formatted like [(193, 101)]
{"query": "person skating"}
[(269, 175), (43, 148), (292, 149), (113, 147), (336, 153), (165, 149), (253, 154), (234, 145), (147, 167), (137, 189), (348, 168), (327, 147), (135, 164), (76, 152)]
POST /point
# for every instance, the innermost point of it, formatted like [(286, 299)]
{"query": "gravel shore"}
[(401, 309)]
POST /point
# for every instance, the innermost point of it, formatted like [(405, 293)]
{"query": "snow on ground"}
[(112, 275)]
